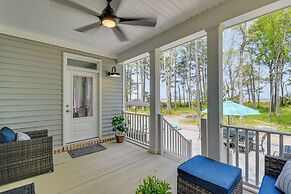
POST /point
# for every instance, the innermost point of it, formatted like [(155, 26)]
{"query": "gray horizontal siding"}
[(112, 95), (31, 87)]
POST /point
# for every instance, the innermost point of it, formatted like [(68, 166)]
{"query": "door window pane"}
[(82, 96)]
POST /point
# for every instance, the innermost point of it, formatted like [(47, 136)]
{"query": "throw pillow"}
[(22, 137), (7, 135), (283, 182)]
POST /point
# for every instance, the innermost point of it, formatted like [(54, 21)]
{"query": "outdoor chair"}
[(273, 168), (286, 152)]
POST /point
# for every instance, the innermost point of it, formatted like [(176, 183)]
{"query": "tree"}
[(243, 30), (269, 36)]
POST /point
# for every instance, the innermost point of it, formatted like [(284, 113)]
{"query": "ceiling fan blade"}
[(120, 34), (138, 21), (88, 27), (115, 4), (77, 6)]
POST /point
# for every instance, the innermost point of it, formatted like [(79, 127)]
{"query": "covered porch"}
[(35, 68)]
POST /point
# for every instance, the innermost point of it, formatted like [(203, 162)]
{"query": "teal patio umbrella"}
[(231, 108)]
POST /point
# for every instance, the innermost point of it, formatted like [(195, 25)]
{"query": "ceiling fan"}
[(108, 18)]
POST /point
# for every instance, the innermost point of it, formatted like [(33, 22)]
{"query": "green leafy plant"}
[(119, 124), (153, 185)]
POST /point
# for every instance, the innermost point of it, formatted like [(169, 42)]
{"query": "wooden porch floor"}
[(117, 170)]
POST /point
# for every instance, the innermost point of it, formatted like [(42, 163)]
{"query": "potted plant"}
[(153, 185), (120, 127)]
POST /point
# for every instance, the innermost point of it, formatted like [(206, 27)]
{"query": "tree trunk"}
[(184, 92), (179, 94), (259, 87), (279, 72), (248, 92), (142, 82), (197, 82), (241, 61), (126, 82), (253, 87), (130, 83), (271, 107), (175, 86), (137, 81)]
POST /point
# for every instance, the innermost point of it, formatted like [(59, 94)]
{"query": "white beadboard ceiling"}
[(56, 21)]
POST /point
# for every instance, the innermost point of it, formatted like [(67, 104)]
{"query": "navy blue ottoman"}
[(203, 175)]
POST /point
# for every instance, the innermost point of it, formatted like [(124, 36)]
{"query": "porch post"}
[(215, 91), (155, 107)]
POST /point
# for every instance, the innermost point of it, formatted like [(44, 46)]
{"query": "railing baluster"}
[(281, 144), (269, 144), (139, 129), (237, 147), (257, 157), (168, 138), (227, 144), (143, 123), (247, 149)]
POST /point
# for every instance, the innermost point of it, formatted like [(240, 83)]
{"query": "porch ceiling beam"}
[(213, 17)]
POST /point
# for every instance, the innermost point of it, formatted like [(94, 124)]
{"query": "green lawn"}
[(281, 123)]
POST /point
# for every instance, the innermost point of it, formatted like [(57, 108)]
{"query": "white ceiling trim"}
[(257, 13), (204, 21), (184, 40), (53, 41), (139, 57)]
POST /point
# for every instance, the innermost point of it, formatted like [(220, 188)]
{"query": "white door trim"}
[(98, 71)]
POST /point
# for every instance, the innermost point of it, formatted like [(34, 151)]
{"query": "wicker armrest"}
[(37, 134), (274, 166)]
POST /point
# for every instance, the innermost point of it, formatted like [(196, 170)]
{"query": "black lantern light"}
[(113, 73)]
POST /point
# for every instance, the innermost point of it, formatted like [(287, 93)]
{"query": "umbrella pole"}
[(228, 120)]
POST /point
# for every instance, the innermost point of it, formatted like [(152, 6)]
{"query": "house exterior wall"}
[(31, 87)]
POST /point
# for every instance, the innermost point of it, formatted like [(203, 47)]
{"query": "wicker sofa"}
[(25, 159), (273, 168)]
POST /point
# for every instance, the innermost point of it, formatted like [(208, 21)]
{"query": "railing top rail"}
[(172, 128), (256, 129), (133, 113)]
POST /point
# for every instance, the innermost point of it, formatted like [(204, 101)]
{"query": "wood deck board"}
[(118, 169)]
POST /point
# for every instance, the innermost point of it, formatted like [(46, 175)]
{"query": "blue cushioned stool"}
[(203, 175)]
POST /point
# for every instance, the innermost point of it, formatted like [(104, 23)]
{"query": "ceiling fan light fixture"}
[(109, 22)]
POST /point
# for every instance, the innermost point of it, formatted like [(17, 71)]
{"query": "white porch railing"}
[(246, 148), (174, 144), (138, 129)]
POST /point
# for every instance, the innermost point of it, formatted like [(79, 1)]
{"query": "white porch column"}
[(155, 107), (215, 91)]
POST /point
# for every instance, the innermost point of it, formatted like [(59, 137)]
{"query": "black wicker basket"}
[(24, 159)]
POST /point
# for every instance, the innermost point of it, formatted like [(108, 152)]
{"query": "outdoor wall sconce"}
[(113, 73)]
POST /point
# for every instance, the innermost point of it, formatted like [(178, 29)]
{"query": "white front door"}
[(81, 107)]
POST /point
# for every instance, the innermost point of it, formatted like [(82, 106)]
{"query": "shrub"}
[(153, 185)]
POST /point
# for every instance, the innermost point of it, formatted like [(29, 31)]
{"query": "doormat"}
[(86, 150), (25, 189)]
